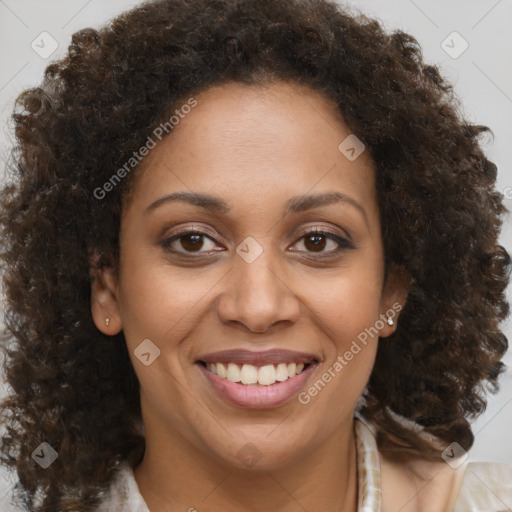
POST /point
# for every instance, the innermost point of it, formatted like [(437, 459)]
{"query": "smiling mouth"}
[(264, 375)]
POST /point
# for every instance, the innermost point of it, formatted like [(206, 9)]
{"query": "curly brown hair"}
[(74, 387)]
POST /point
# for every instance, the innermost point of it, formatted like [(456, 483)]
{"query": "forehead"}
[(259, 142)]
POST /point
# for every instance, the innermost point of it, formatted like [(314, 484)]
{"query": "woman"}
[(251, 263)]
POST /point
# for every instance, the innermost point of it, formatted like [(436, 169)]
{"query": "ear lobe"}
[(104, 302), (394, 297)]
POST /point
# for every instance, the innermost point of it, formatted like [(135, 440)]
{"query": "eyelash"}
[(344, 243)]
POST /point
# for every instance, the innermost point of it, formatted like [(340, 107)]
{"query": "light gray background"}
[(482, 76)]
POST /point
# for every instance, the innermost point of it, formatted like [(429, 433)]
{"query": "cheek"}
[(347, 311), (161, 304), (346, 307), (351, 324), (348, 302)]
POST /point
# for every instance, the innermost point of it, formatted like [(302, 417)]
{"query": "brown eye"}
[(188, 241), (317, 240), (192, 242)]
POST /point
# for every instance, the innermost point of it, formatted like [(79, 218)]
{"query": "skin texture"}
[(74, 385), (255, 147)]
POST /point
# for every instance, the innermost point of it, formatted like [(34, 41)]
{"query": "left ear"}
[(394, 296), (104, 301)]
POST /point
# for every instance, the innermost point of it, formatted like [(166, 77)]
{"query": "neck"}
[(176, 476)]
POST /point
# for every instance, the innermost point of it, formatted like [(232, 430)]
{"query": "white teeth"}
[(282, 372), (221, 370), (233, 373), (267, 375), (250, 374)]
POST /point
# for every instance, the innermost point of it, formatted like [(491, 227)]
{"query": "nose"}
[(258, 295)]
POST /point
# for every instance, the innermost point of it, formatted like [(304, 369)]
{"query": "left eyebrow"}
[(302, 203)]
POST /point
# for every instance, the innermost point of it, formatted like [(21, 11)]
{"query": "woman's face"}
[(254, 280)]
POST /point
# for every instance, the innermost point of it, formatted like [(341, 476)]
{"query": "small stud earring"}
[(107, 321), (390, 321)]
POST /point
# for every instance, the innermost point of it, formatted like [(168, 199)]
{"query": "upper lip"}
[(258, 358)]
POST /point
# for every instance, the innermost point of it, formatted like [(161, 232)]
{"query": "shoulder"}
[(412, 485), (417, 484), (123, 493), (435, 486), (486, 486)]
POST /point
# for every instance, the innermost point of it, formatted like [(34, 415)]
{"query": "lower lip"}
[(257, 396)]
